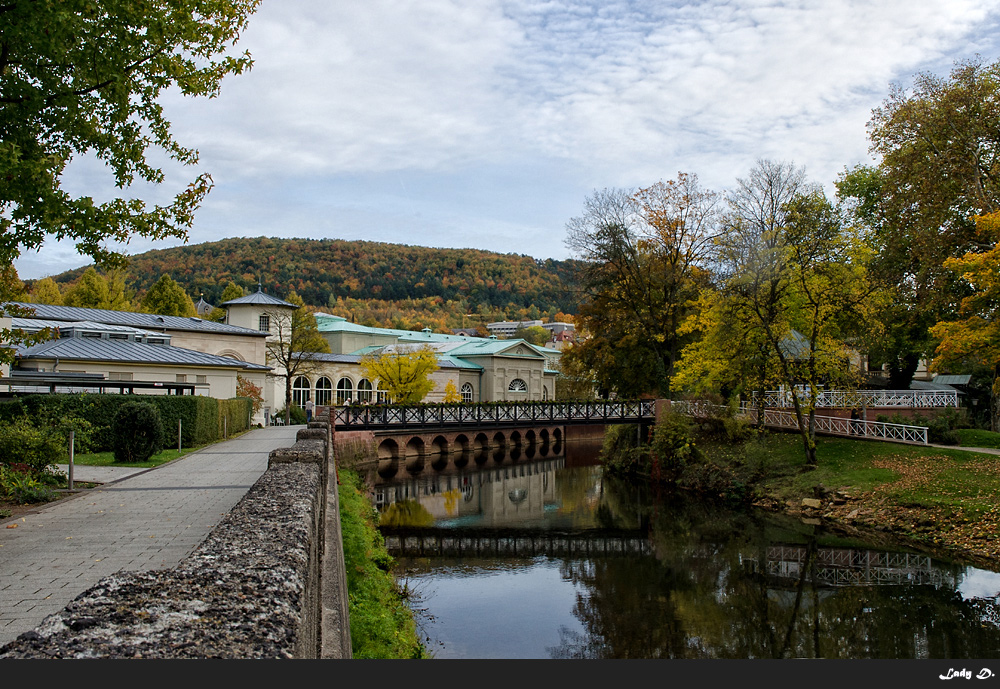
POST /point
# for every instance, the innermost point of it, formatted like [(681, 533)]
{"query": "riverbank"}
[(942, 500)]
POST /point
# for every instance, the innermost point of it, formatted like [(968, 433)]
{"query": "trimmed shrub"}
[(138, 432)]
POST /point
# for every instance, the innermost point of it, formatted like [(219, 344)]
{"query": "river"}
[(548, 558)]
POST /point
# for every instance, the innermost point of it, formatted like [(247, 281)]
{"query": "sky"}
[(487, 123)]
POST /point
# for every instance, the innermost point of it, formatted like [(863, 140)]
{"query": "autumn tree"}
[(645, 256), (246, 388), (973, 338), (402, 371), (46, 291), (167, 298), (86, 80), (451, 393), (794, 295), (938, 145), (294, 342)]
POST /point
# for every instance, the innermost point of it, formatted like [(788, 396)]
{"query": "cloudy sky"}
[(486, 123)]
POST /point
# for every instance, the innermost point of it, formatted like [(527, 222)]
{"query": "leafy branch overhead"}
[(84, 78)]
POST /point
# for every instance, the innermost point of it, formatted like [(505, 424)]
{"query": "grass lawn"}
[(107, 459), (975, 437), (912, 474)]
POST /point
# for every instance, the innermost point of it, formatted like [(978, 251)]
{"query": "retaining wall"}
[(268, 582)]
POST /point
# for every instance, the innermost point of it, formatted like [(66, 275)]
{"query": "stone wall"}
[(268, 582)]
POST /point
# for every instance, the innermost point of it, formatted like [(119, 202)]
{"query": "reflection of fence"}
[(492, 414), (827, 425), (512, 542), (849, 567), (847, 399)]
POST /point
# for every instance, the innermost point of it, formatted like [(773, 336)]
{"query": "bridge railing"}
[(505, 413), (832, 425), (846, 399)]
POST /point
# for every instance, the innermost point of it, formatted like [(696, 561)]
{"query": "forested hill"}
[(323, 270)]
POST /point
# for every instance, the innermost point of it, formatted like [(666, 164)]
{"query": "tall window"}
[(517, 385), (365, 391), (345, 390), (381, 396), (264, 323), (324, 391), (300, 391), (467, 393)]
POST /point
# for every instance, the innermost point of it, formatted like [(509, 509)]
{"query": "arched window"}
[(300, 391), (345, 390), (381, 396), (545, 394), (365, 391), (467, 393), (324, 392), (517, 385)]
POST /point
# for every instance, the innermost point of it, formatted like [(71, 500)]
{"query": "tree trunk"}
[(995, 401)]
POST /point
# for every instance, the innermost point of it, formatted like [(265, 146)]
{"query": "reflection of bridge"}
[(460, 416), (851, 567), (514, 542)]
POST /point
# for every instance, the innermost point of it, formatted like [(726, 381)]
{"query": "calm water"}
[(547, 558)]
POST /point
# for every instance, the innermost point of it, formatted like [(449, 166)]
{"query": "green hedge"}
[(201, 418)]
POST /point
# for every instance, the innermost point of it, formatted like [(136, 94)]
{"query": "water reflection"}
[(540, 559)]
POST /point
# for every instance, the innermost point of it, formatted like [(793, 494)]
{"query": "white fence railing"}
[(831, 425), (846, 399)]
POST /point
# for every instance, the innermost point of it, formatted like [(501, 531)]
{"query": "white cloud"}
[(559, 97)]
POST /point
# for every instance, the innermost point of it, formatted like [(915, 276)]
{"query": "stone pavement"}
[(150, 519)]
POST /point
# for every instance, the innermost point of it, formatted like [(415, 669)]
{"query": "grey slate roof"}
[(116, 351), (136, 320), (261, 299)]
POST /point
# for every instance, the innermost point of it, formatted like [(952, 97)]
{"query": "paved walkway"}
[(144, 519)]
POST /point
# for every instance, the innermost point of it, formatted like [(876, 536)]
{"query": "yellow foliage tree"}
[(403, 372), (451, 394), (975, 339)]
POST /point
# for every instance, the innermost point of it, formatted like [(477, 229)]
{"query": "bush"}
[(673, 445), (296, 418), (137, 431), (19, 484), (37, 448), (621, 454)]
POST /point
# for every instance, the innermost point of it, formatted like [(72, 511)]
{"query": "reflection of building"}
[(498, 496)]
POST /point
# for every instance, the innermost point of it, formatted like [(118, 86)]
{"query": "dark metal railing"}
[(378, 416)]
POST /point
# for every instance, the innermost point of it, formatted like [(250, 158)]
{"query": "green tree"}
[(167, 298), (232, 291), (294, 340), (939, 144), (96, 291), (403, 371), (83, 78), (46, 291), (90, 291), (535, 334), (645, 256)]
